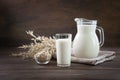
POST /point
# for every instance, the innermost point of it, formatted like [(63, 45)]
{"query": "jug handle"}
[(101, 32)]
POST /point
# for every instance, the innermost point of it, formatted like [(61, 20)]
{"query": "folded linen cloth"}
[(102, 57)]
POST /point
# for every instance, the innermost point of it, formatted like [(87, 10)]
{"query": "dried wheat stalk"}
[(41, 43)]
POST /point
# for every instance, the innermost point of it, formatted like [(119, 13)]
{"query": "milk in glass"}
[(63, 49)]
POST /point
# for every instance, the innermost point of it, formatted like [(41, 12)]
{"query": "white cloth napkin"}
[(102, 57)]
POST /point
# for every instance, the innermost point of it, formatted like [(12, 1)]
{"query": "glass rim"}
[(62, 34)]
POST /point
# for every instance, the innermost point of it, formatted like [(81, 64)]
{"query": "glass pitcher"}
[(86, 43)]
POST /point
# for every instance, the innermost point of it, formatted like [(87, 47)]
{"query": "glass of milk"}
[(63, 49)]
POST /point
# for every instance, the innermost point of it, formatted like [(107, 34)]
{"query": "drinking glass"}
[(63, 49)]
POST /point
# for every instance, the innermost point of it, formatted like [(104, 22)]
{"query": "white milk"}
[(86, 44), (63, 47)]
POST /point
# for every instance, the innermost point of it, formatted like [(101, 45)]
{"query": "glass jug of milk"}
[(86, 43)]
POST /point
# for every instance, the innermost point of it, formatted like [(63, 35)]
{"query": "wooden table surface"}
[(14, 68)]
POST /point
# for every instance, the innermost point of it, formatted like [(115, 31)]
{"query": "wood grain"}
[(14, 68), (48, 17)]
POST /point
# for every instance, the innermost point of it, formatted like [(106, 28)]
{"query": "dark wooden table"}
[(14, 68)]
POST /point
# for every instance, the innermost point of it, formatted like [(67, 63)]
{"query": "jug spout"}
[(78, 20)]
